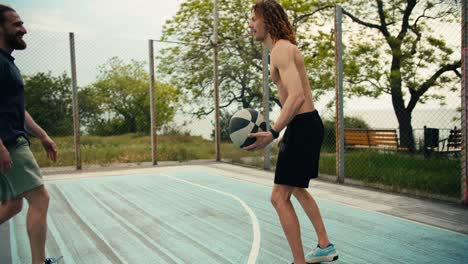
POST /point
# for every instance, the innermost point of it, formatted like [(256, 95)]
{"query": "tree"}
[(122, 93), (89, 107), (406, 60), (225, 117), (190, 66), (48, 100)]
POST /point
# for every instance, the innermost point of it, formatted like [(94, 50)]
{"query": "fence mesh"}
[(418, 84), (416, 104)]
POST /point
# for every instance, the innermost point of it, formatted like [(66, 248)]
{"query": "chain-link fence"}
[(401, 104), (112, 76), (406, 135)]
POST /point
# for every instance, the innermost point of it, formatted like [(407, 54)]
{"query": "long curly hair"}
[(276, 20)]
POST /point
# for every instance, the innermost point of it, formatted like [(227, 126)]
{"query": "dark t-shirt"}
[(12, 110)]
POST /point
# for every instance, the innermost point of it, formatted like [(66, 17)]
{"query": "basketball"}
[(244, 122)]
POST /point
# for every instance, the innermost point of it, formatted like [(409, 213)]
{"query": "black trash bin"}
[(431, 140)]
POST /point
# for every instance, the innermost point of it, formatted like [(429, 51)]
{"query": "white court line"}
[(255, 226), (224, 171), (234, 175)]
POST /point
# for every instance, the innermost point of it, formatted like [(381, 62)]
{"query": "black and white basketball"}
[(244, 122)]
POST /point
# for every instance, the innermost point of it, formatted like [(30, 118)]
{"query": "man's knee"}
[(38, 198), (278, 202), (280, 196)]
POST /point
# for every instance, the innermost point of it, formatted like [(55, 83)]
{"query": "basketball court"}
[(220, 213)]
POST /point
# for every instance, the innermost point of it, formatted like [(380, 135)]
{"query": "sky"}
[(135, 18), (103, 29)]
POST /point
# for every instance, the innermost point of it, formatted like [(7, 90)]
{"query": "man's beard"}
[(14, 41)]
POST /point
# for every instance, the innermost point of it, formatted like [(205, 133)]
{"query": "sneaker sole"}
[(329, 258)]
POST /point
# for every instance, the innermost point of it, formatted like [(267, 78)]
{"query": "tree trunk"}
[(406, 129), (402, 113)]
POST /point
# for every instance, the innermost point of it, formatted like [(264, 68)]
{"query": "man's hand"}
[(5, 159), (50, 147), (263, 139)]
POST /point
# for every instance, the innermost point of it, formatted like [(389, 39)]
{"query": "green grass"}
[(133, 148), (436, 175)]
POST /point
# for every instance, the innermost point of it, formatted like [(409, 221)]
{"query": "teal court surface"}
[(219, 213)]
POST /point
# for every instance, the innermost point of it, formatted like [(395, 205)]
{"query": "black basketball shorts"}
[(299, 151)]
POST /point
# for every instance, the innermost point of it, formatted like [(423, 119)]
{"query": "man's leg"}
[(10, 208), (281, 200), (38, 200), (310, 207)]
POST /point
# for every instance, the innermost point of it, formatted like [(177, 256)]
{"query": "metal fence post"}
[(266, 105), (339, 119), (152, 89), (215, 82), (76, 114), (464, 95)]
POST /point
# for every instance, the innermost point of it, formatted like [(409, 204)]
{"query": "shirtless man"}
[(299, 149)]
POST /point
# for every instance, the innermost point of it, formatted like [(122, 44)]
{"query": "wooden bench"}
[(384, 139), (453, 143)]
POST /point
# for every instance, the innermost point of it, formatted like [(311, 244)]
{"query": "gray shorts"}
[(24, 175)]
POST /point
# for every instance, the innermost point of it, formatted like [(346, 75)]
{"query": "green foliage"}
[(240, 57), (89, 106), (122, 94), (406, 57), (118, 102), (225, 117), (48, 100), (410, 41), (190, 67), (134, 148), (367, 54)]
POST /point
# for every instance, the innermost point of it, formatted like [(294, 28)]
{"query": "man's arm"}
[(283, 58), (35, 130)]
